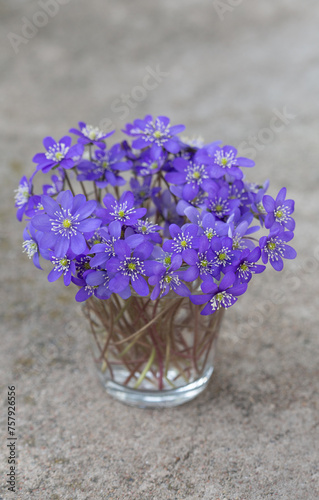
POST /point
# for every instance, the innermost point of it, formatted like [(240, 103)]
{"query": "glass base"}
[(150, 398)]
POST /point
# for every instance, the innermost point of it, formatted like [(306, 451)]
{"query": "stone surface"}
[(227, 69)]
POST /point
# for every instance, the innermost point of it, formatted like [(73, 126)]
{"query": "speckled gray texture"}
[(228, 67)]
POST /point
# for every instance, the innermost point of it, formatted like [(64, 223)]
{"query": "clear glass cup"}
[(152, 353)]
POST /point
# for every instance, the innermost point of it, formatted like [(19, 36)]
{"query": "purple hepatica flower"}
[(238, 234), (184, 238), (256, 194), (58, 154), (207, 223), (103, 169), (23, 197), (149, 163), (193, 176), (82, 264), (206, 153), (122, 210), (167, 209), (56, 186), (223, 255), (128, 267), (279, 211), (274, 248), (156, 134), (165, 258), (143, 192), (246, 266), (31, 245), (237, 191), (224, 295), (105, 250), (147, 229), (201, 263), (224, 161), (220, 204), (65, 223), (101, 280), (86, 291), (91, 135), (165, 279), (62, 266)]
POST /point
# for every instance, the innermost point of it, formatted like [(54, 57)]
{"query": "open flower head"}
[(66, 222)]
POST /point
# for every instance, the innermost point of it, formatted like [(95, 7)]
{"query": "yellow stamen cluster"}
[(59, 155), (66, 223)]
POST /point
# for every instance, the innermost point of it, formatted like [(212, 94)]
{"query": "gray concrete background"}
[(230, 64)]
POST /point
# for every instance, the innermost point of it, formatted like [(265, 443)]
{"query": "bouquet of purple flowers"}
[(156, 262), (187, 216)]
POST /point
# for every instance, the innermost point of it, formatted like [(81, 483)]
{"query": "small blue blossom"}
[(127, 267), (193, 176), (246, 265), (200, 264), (223, 254), (274, 248), (122, 210), (218, 296), (220, 204), (105, 250), (207, 223), (66, 220), (23, 197), (31, 245), (223, 161), (63, 266), (100, 279), (279, 211), (58, 154), (184, 238), (57, 185), (165, 279), (158, 134), (88, 134), (143, 192), (150, 163), (104, 168), (166, 208)]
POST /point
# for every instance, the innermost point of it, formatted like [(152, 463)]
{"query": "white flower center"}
[(132, 266), (225, 160), (61, 264), (30, 247), (22, 195), (196, 173), (93, 133), (169, 279), (57, 152), (182, 241), (64, 223), (221, 299), (274, 248)]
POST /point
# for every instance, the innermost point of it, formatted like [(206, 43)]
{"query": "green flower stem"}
[(163, 342), (81, 184), (69, 182), (146, 369)]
